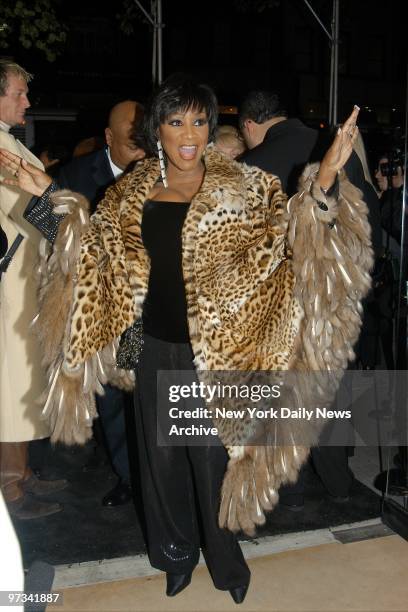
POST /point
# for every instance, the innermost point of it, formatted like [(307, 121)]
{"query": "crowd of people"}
[(175, 247)]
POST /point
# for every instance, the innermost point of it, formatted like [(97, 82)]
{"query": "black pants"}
[(331, 465), (181, 484)]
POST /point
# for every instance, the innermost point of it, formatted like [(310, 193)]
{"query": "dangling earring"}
[(162, 164)]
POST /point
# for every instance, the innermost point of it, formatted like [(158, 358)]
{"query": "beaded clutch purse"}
[(130, 346)]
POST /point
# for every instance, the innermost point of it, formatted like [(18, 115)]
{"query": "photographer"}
[(390, 179)]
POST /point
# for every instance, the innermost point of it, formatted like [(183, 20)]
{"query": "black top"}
[(165, 307)]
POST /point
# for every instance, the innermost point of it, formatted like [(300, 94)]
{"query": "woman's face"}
[(381, 180), (184, 136)]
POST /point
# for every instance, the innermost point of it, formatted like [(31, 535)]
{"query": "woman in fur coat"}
[(225, 274)]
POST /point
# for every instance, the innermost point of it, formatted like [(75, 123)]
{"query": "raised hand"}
[(27, 177), (339, 152)]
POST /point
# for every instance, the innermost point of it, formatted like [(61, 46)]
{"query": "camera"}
[(395, 161)]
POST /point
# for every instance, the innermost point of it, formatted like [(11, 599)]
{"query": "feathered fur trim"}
[(331, 258), (69, 400), (250, 486), (56, 270)]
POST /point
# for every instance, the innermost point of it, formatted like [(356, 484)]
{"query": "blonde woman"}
[(229, 141)]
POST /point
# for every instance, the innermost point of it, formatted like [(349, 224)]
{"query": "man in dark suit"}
[(283, 147), (275, 143), (91, 175)]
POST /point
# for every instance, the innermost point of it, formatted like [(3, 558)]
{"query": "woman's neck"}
[(175, 176), (182, 185)]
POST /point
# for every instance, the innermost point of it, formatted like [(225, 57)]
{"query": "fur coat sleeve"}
[(85, 303), (328, 249), (92, 288)]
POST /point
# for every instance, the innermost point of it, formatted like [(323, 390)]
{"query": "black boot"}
[(238, 594), (176, 583), (120, 494)]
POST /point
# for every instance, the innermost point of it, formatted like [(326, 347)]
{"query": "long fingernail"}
[(356, 107), (339, 131)]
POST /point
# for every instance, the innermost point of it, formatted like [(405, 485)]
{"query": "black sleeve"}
[(62, 179), (374, 217), (39, 213), (3, 243), (354, 170), (355, 174), (391, 213), (279, 165)]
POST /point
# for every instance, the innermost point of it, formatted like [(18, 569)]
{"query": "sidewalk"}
[(87, 531), (366, 575)]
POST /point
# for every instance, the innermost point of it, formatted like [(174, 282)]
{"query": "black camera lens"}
[(389, 168)]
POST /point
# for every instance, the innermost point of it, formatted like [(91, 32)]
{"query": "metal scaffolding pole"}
[(156, 20), (334, 56), (335, 52), (154, 50), (159, 28), (402, 355)]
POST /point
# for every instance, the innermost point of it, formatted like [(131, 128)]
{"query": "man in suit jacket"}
[(22, 379), (275, 143), (91, 175), (283, 147)]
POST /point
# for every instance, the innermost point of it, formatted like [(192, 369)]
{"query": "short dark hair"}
[(178, 92), (260, 106)]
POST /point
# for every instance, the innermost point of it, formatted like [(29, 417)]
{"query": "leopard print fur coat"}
[(270, 285)]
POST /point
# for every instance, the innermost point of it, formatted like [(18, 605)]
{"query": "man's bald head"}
[(119, 134)]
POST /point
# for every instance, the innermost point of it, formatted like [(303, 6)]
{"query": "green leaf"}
[(35, 23)]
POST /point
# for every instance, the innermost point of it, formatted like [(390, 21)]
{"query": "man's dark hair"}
[(179, 92), (260, 106)]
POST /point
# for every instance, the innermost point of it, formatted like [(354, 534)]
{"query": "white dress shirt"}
[(116, 171)]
